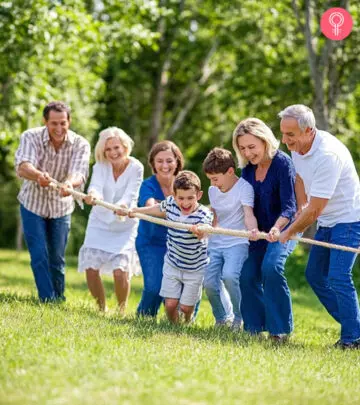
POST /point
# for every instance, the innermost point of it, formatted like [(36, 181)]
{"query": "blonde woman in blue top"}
[(266, 301)]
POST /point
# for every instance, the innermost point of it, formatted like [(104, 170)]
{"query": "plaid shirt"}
[(72, 158)]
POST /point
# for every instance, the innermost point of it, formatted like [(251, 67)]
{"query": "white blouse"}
[(105, 231)]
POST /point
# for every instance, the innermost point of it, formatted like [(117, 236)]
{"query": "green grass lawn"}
[(71, 354)]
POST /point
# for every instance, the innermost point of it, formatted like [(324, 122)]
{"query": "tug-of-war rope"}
[(204, 228)]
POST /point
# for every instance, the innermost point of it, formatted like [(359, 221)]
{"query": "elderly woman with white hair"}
[(109, 245), (266, 302)]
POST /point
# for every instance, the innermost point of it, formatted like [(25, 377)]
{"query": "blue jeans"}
[(329, 273), (152, 263), (46, 240), (225, 266), (266, 301)]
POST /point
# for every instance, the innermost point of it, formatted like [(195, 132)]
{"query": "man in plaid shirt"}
[(51, 151)]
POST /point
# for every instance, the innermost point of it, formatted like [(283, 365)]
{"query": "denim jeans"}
[(225, 266), (152, 263), (266, 301), (46, 240), (329, 273)]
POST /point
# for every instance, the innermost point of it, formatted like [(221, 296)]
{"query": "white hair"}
[(301, 113), (258, 128), (108, 133)]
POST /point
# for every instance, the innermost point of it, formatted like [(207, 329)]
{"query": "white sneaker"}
[(237, 326), (223, 324)]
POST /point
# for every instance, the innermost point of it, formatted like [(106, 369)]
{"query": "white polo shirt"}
[(328, 171)]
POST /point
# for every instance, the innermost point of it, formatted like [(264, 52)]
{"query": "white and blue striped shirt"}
[(184, 250)]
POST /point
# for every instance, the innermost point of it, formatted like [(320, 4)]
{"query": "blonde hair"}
[(255, 127), (108, 133)]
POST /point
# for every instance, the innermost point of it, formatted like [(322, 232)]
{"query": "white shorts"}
[(181, 284)]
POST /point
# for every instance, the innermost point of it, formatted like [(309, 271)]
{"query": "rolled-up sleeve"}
[(80, 158), (26, 151)]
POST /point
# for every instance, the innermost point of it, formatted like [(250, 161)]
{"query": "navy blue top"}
[(275, 195), (149, 233)]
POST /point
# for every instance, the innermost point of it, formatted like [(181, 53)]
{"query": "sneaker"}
[(280, 338), (237, 326), (347, 346), (223, 324)]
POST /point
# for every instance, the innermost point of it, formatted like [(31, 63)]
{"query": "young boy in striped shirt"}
[(186, 257)]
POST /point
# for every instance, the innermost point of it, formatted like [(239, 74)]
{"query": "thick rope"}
[(205, 228)]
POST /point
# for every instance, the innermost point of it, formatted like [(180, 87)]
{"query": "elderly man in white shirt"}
[(328, 191)]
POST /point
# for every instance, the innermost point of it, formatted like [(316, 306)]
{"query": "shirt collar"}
[(314, 145), (69, 138)]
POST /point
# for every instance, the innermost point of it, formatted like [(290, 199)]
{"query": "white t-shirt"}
[(328, 171), (229, 210)]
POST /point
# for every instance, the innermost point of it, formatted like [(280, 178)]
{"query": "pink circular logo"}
[(336, 23)]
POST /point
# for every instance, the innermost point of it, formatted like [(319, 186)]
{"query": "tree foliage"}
[(184, 70)]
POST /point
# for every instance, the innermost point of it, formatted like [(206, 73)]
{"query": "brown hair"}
[(218, 160), (58, 106), (162, 147), (187, 180)]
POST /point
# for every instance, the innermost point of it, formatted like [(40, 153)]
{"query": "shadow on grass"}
[(19, 281), (6, 297), (148, 328)]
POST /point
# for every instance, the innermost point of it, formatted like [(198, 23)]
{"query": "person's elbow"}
[(20, 169), (314, 212)]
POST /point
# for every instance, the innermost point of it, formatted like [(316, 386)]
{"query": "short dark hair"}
[(218, 160), (58, 106), (162, 147), (186, 180)]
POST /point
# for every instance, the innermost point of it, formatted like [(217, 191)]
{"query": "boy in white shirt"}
[(232, 201)]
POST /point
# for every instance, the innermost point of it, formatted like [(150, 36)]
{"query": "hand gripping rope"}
[(203, 228)]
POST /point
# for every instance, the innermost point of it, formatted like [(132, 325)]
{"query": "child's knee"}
[(186, 309), (171, 304)]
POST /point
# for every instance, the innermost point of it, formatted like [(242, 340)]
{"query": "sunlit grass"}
[(71, 354)]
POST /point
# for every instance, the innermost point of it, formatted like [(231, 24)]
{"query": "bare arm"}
[(274, 233), (249, 219), (150, 202), (153, 210), (301, 197), (27, 171), (305, 219), (251, 222), (215, 219), (280, 223)]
